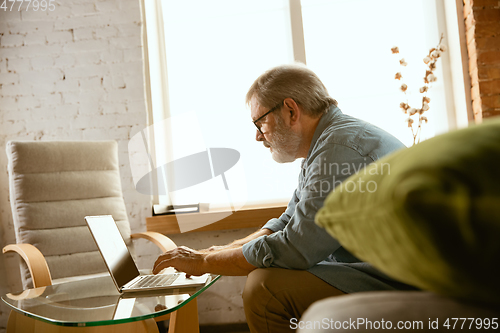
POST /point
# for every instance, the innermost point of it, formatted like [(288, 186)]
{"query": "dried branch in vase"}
[(430, 60)]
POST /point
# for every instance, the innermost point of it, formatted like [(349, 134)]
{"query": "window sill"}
[(247, 217)]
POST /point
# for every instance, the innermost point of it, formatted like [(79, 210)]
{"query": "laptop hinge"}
[(133, 281)]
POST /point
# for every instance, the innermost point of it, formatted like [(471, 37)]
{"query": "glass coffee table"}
[(94, 305)]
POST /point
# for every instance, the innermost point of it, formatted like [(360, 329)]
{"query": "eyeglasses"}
[(265, 114)]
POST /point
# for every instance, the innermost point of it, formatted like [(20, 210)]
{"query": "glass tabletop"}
[(96, 302)]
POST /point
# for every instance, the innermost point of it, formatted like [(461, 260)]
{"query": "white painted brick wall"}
[(76, 74)]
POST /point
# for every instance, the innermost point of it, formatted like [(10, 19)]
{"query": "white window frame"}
[(449, 17)]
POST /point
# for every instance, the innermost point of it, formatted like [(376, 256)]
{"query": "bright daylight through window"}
[(204, 55)]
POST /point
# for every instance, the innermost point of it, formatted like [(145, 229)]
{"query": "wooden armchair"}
[(53, 186)]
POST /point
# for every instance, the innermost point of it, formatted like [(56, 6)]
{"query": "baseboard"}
[(225, 328), (217, 328)]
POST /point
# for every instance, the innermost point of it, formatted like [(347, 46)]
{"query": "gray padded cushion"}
[(67, 185), (53, 186)]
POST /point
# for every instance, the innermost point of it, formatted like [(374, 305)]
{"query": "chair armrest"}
[(36, 263), (27, 294), (163, 242)]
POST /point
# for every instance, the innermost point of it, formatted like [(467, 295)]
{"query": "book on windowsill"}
[(179, 209)]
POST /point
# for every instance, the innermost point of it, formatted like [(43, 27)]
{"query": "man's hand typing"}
[(226, 261), (183, 259)]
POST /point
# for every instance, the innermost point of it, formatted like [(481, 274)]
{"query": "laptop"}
[(121, 265)]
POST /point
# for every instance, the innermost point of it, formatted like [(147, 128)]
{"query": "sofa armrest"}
[(375, 311), (36, 263), (163, 242)]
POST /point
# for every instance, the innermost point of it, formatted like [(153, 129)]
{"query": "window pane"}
[(348, 44), (215, 50)]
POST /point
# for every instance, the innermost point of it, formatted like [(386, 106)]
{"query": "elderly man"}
[(291, 262)]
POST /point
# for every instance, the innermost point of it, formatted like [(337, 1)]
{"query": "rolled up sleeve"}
[(274, 225), (298, 246), (258, 253)]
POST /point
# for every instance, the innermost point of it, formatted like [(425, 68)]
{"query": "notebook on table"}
[(122, 267)]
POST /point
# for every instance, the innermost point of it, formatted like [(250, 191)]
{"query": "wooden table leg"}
[(19, 323), (185, 320), (23, 324)]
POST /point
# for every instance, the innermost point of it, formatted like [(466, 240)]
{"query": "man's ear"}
[(293, 111)]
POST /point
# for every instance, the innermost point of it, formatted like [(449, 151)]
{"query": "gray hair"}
[(294, 81)]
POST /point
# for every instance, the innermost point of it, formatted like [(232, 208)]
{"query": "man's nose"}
[(259, 136)]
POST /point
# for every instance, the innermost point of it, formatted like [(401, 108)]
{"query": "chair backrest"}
[(53, 186)]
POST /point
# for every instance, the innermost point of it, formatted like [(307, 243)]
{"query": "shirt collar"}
[(325, 121)]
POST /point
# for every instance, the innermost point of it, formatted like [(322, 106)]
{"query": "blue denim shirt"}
[(341, 146)]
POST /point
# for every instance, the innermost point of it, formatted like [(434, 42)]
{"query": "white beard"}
[(286, 143)]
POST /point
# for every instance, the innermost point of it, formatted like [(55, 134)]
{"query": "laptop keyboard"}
[(152, 281)]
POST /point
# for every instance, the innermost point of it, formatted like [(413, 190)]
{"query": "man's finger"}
[(162, 257), (158, 267), (158, 260)]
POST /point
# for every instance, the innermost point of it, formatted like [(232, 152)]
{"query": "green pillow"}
[(429, 215)]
